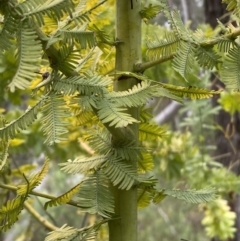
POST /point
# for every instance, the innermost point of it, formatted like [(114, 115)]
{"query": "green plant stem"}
[(128, 53), (39, 217), (141, 67), (38, 194)]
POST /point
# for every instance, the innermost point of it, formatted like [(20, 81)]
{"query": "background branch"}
[(38, 217)]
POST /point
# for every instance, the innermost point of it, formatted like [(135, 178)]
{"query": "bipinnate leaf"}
[(64, 198), (190, 196), (83, 164), (28, 117), (94, 195), (10, 211), (35, 180), (28, 56), (66, 233)]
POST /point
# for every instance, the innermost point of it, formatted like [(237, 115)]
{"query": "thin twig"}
[(38, 217), (46, 212), (141, 67)]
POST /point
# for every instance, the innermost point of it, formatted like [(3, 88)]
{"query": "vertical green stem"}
[(128, 53)]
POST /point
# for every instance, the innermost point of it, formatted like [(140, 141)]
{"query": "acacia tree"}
[(78, 87)]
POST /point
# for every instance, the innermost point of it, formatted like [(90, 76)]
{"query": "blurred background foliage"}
[(185, 158)]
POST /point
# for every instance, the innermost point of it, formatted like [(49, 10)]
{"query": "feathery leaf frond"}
[(233, 5), (127, 151), (64, 198), (207, 57), (230, 70), (150, 11), (4, 145), (224, 45), (53, 124), (30, 115), (28, 57), (190, 92), (8, 31), (53, 8), (100, 141), (84, 85), (35, 180), (193, 196), (158, 48), (84, 117), (184, 61), (178, 26), (145, 197), (68, 58), (137, 96), (84, 38), (151, 132), (116, 116), (9, 213), (94, 195), (145, 163), (121, 173), (83, 164), (67, 233)]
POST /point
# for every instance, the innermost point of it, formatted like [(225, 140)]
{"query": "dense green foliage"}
[(76, 96)]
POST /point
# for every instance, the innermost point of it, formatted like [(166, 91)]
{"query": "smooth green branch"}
[(214, 41), (141, 67), (38, 194)]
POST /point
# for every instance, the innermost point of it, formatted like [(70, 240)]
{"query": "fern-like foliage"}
[(100, 140), (207, 57), (145, 197), (190, 92), (192, 196), (8, 32), (183, 61), (230, 69), (83, 164), (158, 48), (128, 151), (9, 131), (87, 85), (121, 173), (35, 180), (115, 116), (36, 9), (78, 17), (151, 132), (84, 117), (145, 162), (224, 44), (4, 145), (135, 97), (84, 38), (28, 57), (94, 195), (177, 24), (150, 11), (54, 124), (233, 5), (68, 58), (10, 211), (67, 233), (64, 198)]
